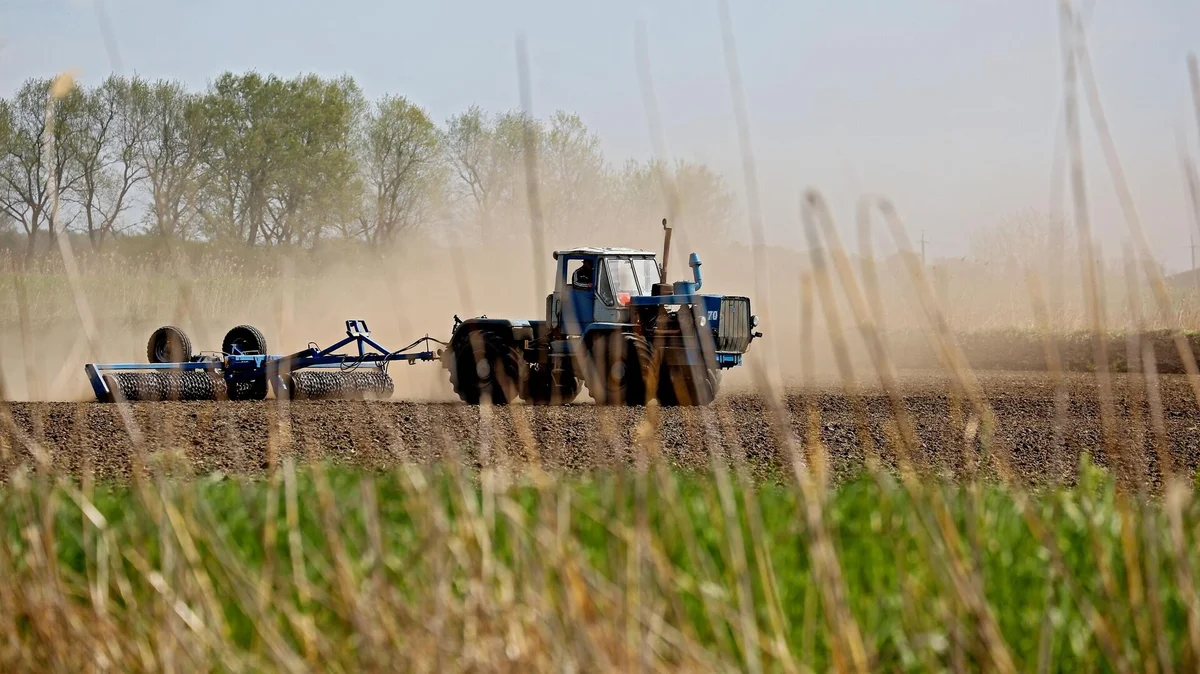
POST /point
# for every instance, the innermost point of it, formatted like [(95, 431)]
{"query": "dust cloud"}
[(410, 292)]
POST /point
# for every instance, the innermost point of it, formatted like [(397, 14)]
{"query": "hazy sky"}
[(949, 107)]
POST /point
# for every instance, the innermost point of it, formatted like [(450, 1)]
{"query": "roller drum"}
[(155, 386), (320, 385)]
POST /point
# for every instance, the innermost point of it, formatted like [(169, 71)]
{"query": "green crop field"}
[(434, 569)]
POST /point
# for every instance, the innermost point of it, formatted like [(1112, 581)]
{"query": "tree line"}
[(268, 161)]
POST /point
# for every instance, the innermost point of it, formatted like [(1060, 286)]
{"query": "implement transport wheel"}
[(621, 365), (484, 367), (680, 386), (246, 339), (539, 388), (168, 344)]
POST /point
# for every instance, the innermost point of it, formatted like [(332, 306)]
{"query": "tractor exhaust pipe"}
[(666, 252)]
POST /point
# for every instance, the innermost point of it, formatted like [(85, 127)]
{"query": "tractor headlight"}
[(754, 321)]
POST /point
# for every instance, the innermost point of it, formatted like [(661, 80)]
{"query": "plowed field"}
[(246, 436)]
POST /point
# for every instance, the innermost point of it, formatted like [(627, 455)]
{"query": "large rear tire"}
[(621, 369), (484, 367), (168, 344)]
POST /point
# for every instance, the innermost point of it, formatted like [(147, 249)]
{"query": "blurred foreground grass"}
[(432, 569)]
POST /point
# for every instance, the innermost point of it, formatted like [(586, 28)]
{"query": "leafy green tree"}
[(278, 156), (240, 123), (315, 187), (402, 167), (263, 160)]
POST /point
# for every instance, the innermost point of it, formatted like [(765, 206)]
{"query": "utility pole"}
[(923, 242)]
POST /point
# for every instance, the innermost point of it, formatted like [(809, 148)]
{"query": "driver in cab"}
[(584, 277)]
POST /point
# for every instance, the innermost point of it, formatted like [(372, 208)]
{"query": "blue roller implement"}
[(245, 374)]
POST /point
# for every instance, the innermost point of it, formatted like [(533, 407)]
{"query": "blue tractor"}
[(615, 325)]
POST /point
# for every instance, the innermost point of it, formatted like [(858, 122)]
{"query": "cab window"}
[(604, 287), (622, 276), (647, 273), (581, 274)]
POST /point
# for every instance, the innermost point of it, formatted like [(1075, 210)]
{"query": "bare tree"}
[(29, 156), (575, 178), (1024, 240), (707, 208), (167, 151), (467, 145), (485, 158), (106, 137)]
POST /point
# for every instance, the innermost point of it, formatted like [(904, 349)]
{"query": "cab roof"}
[(632, 252)]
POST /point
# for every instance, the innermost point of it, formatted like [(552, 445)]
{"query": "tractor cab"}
[(596, 285)]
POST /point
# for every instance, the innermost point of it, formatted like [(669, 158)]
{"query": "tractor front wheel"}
[(684, 387), (484, 367), (621, 368)]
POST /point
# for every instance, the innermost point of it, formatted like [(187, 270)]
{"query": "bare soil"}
[(245, 437)]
